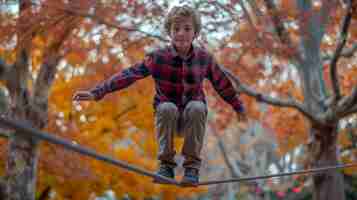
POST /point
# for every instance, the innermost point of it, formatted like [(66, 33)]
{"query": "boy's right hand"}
[(83, 96)]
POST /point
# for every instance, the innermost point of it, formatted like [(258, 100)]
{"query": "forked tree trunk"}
[(23, 152)]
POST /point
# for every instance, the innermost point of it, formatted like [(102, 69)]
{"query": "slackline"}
[(23, 129)]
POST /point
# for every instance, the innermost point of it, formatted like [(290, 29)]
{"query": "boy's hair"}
[(183, 11)]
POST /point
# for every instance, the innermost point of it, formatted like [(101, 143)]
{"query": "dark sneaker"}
[(166, 171), (191, 177)]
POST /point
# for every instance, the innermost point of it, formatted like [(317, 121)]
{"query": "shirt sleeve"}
[(124, 78), (223, 86)]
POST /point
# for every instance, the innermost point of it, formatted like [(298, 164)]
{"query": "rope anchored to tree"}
[(24, 129)]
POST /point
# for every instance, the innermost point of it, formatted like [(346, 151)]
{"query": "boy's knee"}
[(196, 108), (167, 108)]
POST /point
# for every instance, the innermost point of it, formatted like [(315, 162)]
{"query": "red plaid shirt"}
[(177, 80)]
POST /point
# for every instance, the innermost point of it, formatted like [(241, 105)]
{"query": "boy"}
[(180, 106)]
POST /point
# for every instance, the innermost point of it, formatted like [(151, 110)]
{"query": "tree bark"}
[(323, 137), (328, 185), (21, 168), (2, 188), (23, 151)]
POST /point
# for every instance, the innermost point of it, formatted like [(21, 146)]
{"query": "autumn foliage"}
[(121, 125)]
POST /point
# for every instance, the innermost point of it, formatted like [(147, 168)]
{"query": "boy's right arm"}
[(118, 81)]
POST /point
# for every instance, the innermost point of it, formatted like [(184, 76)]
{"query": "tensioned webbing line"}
[(26, 129), (307, 171)]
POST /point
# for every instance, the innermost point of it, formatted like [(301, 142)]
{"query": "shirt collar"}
[(190, 54)]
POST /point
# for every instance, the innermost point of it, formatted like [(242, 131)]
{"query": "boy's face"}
[(182, 33)]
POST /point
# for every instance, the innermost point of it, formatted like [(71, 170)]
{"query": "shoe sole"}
[(188, 184), (160, 181)]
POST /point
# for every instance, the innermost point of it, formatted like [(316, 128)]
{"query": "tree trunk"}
[(23, 152), (327, 185), (2, 188), (21, 168)]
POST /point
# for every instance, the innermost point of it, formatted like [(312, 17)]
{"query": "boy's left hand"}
[(242, 117)]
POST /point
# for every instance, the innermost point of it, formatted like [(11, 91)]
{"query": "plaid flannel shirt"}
[(177, 80)]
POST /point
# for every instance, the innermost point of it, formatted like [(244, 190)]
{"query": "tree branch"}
[(291, 103), (249, 18), (47, 74), (111, 24), (254, 6), (257, 37), (16, 82), (4, 69), (233, 14), (341, 43), (346, 103), (279, 27), (114, 25), (49, 66), (346, 53), (101, 20), (351, 111), (224, 152)]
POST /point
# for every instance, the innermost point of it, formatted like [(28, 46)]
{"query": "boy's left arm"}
[(225, 89)]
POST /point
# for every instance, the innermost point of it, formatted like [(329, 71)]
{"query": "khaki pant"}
[(191, 124)]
